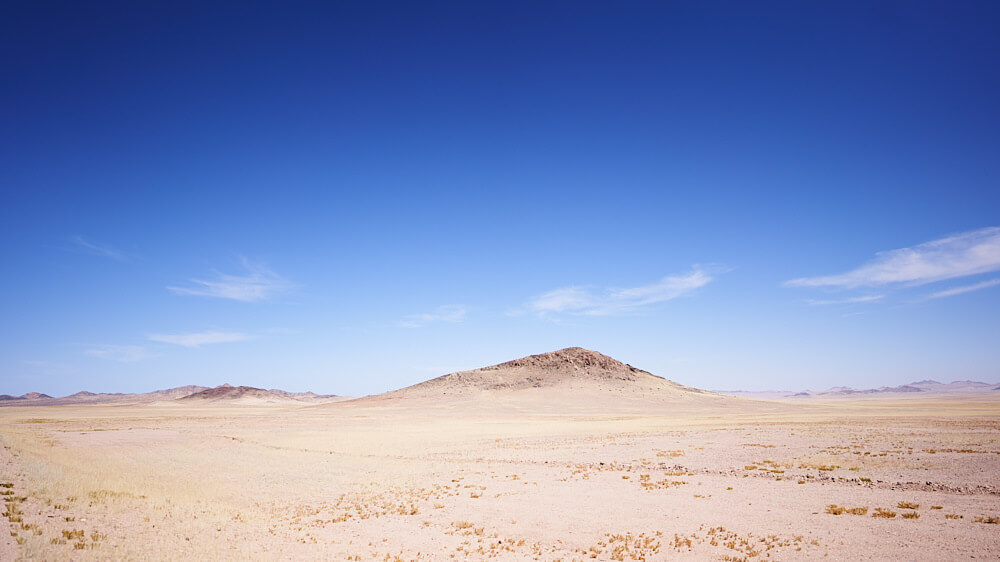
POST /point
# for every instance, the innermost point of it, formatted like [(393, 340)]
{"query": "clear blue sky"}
[(351, 198)]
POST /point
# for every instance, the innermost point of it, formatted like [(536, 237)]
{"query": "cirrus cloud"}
[(451, 313), (951, 257), (258, 284), (580, 300), (120, 353), (964, 289), (199, 339)]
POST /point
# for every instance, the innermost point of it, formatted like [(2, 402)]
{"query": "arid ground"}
[(508, 476)]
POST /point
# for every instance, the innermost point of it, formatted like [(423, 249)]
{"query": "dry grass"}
[(990, 520), (908, 505), (411, 487), (834, 509)]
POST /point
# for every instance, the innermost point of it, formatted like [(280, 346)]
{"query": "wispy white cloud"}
[(959, 255), (584, 301), (47, 367), (122, 353), (96, 249), (964, 289), (853, 300), (451, 313), (258, 284), (199, 339)]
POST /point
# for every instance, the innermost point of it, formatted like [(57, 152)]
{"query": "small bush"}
[(908, 505), (884, 513)]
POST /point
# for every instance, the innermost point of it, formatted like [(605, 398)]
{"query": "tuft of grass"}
[(884, 513), (953, 516), (989, 520), (911, 515), (908, 505), (937, 507), (835, 509)]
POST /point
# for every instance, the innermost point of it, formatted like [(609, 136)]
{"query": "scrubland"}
[(848, 479)]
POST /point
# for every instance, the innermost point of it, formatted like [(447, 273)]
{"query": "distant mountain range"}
[(195, 392), (924, 386)]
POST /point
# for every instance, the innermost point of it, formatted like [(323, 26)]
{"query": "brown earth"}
[(583, 466)]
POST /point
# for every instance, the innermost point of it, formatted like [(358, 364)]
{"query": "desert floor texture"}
[(912, 478)]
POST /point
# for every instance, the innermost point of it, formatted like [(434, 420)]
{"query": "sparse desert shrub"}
[(835, 509), (990, 520), (908, 505), (937, 507), (953, 516), (884, 513), (911, 515)]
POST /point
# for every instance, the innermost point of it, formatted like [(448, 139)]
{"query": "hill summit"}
[(570, 363)]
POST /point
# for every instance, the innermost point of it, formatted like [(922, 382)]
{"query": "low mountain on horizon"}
[(156, 396), (236, 394), (924, 387), (27, 396), (230, 394)]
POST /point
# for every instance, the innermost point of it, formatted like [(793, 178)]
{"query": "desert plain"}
[(562, 456)]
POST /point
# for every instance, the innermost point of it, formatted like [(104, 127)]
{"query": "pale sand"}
[(494, 475)]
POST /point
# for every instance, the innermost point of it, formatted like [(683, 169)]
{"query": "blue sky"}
[(356, 197)]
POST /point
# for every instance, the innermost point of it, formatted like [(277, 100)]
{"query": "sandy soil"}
[(512, 480)]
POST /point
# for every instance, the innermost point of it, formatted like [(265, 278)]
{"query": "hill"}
[(569, 379), (238, 395)]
